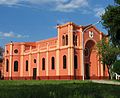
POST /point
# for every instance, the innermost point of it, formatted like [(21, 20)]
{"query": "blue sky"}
[(34, 20)]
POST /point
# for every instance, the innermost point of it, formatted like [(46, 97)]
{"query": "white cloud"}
[(70, 5), (9, 2), (99, 11), (12, 35), (57, 5), (40, 1)]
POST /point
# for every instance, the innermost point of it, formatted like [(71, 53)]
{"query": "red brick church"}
[(61, 57)]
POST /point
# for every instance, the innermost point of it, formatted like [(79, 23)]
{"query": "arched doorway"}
[(89, 59)]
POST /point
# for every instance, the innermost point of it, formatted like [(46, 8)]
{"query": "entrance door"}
[(34, 73), (87, 71), (75, 66)]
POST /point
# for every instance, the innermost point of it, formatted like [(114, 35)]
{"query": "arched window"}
[(26, 65), (43, 63), (15, 65), (34, 60), (64, 62), (73, 39), (53, 62), (7, 65), (66, 39), (76, 40), (7, 51), (63, 40), (75, 62)]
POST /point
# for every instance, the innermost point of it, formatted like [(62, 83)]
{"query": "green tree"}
[(107, 53), (116, 67), (117, 1), (111, 21)]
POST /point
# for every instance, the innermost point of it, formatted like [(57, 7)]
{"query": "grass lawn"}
[(57, 89), (116, 80)]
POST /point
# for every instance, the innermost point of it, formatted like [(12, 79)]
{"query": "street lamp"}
[(83, 46)]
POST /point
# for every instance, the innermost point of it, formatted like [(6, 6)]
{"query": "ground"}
[(58, 89)]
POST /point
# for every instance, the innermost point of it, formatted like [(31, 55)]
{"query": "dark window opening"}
[(34, 60), (75, 62), (66, 39), (26, 65), (15, 51), (7, 51), (64, 62), (43, 63), (7, 65), (63, 40), (53, 62), (15, 65), (75, 40)]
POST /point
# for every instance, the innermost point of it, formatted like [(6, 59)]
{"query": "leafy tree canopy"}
[(117, 1), (116, 67), (111, 21), (107, 53)]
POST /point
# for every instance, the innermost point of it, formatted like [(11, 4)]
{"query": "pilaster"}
[(57, 59), (38, 62), (47, 62), (11, 54), (70, 51), (82, 52), (4, 67), (30, 60), (22, 60)]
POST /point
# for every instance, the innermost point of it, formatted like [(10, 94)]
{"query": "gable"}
[(92, 34)]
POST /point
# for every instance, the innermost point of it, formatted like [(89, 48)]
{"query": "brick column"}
[(70, 51), (81, 56), (22, 60), (57, 59), (11, 62), (47, 62), (4, 67), (29, 64), (58, 54), (38, 62)]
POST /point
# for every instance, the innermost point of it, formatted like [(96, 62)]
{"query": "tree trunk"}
[(108, 66)]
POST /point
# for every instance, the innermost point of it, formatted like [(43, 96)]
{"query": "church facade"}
[(61, 57)]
